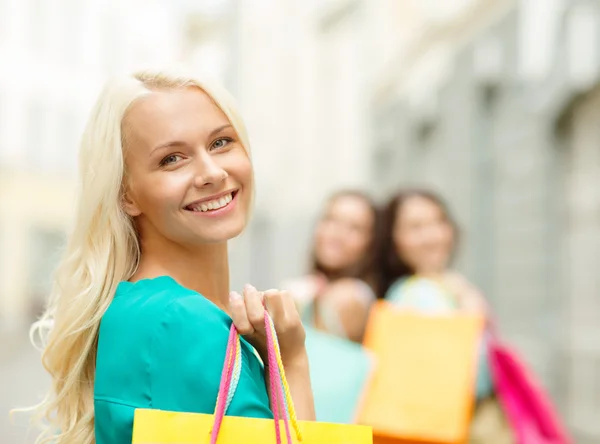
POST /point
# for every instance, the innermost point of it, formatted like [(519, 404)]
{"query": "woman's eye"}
[(221, 143), (170, 159)]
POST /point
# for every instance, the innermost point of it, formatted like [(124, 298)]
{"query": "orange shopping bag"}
[(423, 387), (162, 427)]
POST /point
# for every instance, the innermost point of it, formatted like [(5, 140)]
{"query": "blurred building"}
[(301, 82), (302, 94), (495, 104), (56, 56)]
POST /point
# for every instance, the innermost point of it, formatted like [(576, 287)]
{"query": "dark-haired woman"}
[(419, 240)]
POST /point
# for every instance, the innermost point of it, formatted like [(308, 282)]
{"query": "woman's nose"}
[(209, 172)]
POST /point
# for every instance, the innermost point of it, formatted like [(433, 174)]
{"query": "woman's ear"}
[(129, 205)]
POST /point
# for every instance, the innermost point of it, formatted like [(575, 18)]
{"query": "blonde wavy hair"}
[(102, 250)]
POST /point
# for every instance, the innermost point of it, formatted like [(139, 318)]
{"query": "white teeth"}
[(213, 204)]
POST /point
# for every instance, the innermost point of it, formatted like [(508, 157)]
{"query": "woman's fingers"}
[(288, 324), (248, 310), (274, 305), (239, 315), (282, 308), (255, 308), (289, 304), (248, 315)]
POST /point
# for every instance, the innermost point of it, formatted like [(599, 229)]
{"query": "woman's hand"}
[(248, 314)]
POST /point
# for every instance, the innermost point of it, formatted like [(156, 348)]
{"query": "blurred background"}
[(493, 103)]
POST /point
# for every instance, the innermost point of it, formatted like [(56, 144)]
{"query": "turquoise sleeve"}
[(187, 361)]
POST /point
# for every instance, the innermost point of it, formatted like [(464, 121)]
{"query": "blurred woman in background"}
[(419, 241), (335, 296)]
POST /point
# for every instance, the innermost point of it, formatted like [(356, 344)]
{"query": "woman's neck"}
[(204, 269)]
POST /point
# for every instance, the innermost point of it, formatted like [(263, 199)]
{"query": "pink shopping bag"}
[(526, 405)]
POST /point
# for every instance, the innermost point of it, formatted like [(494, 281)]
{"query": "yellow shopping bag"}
[(423, 388), (159, 427), (163, 427)]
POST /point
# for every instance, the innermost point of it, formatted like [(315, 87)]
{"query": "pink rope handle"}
[(225, 384), (276, 380), (273, 382)]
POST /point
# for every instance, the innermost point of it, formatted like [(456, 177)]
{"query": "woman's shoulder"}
[(152, 299), (158, 317), (161, 288), (150, 311)]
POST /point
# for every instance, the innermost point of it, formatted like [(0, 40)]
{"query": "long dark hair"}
[(391, 266), (365, 268)]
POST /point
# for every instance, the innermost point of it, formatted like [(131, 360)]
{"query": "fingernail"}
[(234, 296), (249, 287)]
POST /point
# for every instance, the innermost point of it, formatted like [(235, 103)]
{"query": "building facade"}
[(493, 103), (303, 97), (502, 121)]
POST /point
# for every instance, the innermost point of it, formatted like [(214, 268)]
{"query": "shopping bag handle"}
[(280, 392), (229, 380)]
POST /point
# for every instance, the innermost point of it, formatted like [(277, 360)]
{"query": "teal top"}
[(162, 346)]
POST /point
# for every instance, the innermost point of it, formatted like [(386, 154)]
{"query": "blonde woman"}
[(141, 303)]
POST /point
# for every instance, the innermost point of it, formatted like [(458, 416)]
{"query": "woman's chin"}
[(219, 234)]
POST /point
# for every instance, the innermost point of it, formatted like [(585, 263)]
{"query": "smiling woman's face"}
[(423, 235), (188, 176), (344, 233)]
